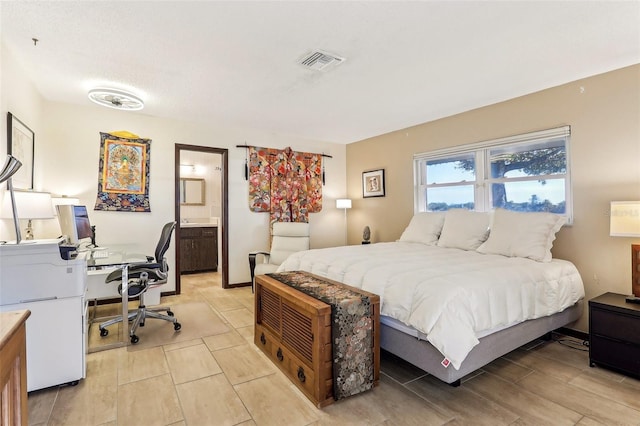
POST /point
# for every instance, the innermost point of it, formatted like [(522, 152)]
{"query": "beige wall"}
[(604, 114)]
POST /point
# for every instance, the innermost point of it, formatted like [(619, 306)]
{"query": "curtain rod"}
[(250, 146)]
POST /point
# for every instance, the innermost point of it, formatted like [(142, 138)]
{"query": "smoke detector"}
[(320, 61), (118, 99)]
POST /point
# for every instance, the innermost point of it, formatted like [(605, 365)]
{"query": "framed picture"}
[(373, 183), (21, 144)]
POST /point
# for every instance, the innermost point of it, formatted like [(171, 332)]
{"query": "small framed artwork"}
[(373, 183), (21, 144)]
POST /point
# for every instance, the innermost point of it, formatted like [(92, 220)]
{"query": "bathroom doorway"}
[(201, 210)]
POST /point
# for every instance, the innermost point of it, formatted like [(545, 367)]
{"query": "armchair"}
[(288, 237), (143, 276)]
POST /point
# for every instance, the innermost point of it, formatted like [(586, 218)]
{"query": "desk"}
[(118, 257)]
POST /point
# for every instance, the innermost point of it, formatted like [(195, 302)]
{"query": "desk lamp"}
[(625, 222), (11, 166)]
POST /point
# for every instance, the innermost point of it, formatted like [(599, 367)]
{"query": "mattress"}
[(449, 296)]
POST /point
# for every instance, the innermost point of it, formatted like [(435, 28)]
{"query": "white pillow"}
[(424, 228), (464, 229), (528, 235)]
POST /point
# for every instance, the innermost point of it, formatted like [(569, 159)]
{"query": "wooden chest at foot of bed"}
[(294, 330)]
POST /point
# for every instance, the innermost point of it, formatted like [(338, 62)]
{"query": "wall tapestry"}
[(285, 183), (123, 180)]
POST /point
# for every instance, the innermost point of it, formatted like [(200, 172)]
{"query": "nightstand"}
[(614, 334)]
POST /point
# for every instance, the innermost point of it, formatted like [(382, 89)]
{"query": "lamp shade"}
[(343, 203), (29, 205), (625, 219)]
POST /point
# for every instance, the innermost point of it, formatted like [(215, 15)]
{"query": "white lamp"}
[(344, 203), (29, 205), (625, 222)]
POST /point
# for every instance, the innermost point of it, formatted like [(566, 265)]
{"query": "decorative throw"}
[(123, 179), (285, 183), (351, 330)]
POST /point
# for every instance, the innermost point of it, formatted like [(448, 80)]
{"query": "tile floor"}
[(223, 379)]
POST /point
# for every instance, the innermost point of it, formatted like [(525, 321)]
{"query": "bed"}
[(459, 289)]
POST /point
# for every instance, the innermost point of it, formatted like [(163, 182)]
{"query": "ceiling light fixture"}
[(117, 99)]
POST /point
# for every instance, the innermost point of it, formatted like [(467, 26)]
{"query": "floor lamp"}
[(11, 166), (344, 203)]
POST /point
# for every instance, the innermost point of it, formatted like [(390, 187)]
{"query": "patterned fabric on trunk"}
[(351, 330), (285, 183)]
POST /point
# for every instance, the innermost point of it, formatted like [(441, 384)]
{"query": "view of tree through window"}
[(529, 176)]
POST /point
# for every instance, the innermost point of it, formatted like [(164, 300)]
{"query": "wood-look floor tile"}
[(239, 317), (138, 365), (180, 345), (595, 406), (388, 403), (271, 401), (588, 421), (243, 363), (557, 352), (624, 393), (90, 402), (399, 369), (531, 360), (151, 401), (224, 303), (191, 363), (225, 340), (466, 406), (507, 370), (532, 408), (211, 400), (40, 403), (247, 333)]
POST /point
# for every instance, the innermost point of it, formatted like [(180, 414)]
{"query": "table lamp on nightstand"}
[(625, 222)]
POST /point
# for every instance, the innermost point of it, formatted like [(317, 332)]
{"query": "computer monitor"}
[(74, 223)]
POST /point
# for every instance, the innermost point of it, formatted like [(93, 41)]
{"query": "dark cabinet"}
[(198, 249), (614, 333)]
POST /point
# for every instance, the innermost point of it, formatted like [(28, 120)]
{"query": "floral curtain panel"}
[(285, 183), (123, 180)]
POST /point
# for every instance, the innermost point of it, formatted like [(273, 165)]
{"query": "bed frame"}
[(423, 355)]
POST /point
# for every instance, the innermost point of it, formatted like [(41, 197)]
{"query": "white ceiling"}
[(235, 63)]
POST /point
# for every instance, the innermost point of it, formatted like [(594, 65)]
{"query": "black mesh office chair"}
[(143, 276)]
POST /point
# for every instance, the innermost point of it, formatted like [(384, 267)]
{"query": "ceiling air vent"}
[(320, 61)]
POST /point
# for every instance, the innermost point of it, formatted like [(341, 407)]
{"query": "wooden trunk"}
[(294, 331)]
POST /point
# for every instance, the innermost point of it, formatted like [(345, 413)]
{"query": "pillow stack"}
[(504, 232)]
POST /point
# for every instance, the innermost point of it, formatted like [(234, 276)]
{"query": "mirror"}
[(191, 192)]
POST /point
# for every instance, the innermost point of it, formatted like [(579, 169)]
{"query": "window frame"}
[(483, 182)]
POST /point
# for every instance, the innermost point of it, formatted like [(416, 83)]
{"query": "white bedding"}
[(451, 295)]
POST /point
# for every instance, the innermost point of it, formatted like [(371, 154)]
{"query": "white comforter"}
[(450, 295)]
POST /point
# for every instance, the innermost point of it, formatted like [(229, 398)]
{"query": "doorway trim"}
[(225, 207)]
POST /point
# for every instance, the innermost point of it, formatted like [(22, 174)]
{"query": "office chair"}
[(288, 237), (143, 276)]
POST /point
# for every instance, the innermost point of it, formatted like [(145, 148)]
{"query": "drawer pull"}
[(301, 375), (263, 339), (279, 355)]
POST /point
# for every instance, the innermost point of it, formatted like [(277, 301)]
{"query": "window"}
[(527, 172)]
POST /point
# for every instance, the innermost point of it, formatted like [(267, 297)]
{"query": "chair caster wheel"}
[(177, 326), (104, 332), (141, 324), (170, 313), (134, 339)]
